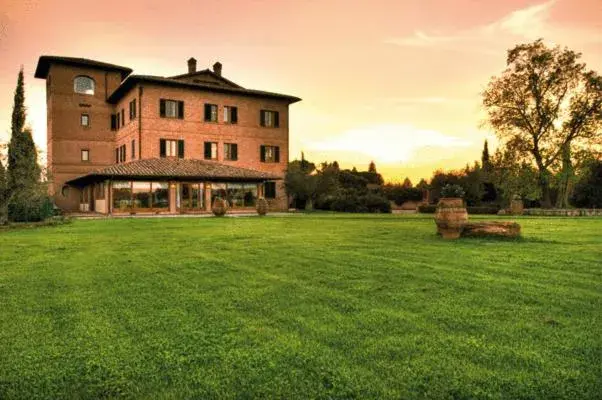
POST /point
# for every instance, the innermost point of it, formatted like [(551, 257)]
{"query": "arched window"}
[(83, 85)]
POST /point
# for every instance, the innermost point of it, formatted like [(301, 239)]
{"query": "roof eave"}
[(132, 80), (44, 63)]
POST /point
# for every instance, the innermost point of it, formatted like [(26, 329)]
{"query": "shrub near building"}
[(332, 189)]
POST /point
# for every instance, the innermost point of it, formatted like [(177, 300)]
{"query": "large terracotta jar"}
[(516, 206), (451, 217)]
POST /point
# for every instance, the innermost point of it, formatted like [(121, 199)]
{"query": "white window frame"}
[(85, 116), (84, 85), (87, 155), (171, 106), (171, 148)]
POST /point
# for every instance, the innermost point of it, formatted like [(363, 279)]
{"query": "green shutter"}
[(162, 108), (276, 119), (207, 150), (207, 112), (234, 151), (234, 115), (180, 109), (162, 151), (262, 153), (277, 154), (262, 118), (180, 148)]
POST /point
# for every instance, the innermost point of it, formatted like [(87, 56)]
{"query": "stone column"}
[(172, 197), (207, 192)]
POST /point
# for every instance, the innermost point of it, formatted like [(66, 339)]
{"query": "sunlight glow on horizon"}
[(401, 87)]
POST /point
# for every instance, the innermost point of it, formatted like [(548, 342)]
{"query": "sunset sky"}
[(397, 82)]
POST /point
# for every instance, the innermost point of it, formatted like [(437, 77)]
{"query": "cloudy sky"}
[(397, 82)]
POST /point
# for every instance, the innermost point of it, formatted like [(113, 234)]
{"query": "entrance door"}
[(191, 197)]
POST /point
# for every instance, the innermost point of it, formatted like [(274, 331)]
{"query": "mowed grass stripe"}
[(309, 306)]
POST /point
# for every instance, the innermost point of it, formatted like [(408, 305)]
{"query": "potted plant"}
[(220, 207), (451, 215), (262, 206)]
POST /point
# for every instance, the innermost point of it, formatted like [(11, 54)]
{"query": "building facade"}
[(124, 143)]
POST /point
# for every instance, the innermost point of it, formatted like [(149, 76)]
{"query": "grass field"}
[(307, 306)]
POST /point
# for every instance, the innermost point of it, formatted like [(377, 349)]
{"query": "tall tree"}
[(4, 195), (485, 159), (535, 104), (23, 170), (582, 128), (372, 167), (407, 183)]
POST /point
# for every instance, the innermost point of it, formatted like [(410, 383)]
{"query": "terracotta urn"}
[(451, 217), (516, 206), (220, 207), (262, 206)]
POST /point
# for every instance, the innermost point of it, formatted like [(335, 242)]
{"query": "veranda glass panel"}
[(197, 196), (122, 195), (236, 194), (142, 194), (250, 195), (161, 195), (185, 197), (218, 190)]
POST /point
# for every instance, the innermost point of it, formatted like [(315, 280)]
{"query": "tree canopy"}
[(544, 106)]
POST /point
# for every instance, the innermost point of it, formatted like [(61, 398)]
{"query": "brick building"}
[(124, 143)]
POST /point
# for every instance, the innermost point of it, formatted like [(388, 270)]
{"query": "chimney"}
[(217, 68), (191, 65)]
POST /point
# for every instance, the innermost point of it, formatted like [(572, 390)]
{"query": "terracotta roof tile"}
[(175, 168)]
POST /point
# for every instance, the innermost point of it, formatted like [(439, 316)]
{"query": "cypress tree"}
[(23, 170), (372, 167), (485, 161), (3, 195)]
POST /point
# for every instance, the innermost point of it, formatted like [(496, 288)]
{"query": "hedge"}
[(432, 208)]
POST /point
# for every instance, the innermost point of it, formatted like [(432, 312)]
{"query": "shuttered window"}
[(230, 151), (269, 119), (171, 148), (171, 109), (230, 115), (210, 112), (210, 151), (269, 154)]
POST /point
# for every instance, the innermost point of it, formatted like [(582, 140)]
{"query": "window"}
[(85, 155), (171, 109), (230, 115), (171, 148), (85, 120), (270, 119), (269, 190), (210, 113), (118, 121), (230, 151), (269, 154), (210, 150), (132, 109), (120, 154), (83, 85), (113, 122), (122, 117), (133, 149)]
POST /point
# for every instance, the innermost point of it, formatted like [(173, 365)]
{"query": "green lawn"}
[(306, 306)]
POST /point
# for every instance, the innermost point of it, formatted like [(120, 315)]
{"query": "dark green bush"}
[(355, 202), (30, 207), (493, 209)]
